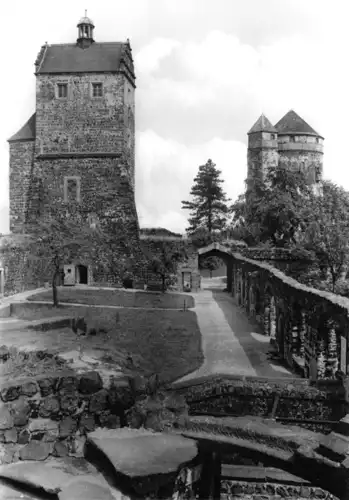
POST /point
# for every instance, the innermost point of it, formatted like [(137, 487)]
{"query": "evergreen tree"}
[(209, 206)]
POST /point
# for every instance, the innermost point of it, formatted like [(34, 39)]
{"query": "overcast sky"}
[(205, 71)]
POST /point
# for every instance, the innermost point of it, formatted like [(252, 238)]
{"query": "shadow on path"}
[(255, 344)]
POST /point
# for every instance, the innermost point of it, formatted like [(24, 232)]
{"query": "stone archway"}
[(219, 250)]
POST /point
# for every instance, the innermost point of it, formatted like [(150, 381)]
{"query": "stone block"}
[(20, 410), (36, 450), (60, 449), (67, 383), (11, 436), (67, 427), (47, 385), (87, 423), (69, 401), (29, 388), (90, 382), (6, 455), (99, 401), (49, 407), (23, 436), (10, 392), (6, 419)]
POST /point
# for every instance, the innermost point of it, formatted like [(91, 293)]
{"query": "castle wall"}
[(80, 122), (21, 164)]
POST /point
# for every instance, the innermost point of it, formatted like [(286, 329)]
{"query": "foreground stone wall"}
[(268, 398), (50, 414)]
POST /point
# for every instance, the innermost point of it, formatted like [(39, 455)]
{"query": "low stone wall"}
[(50, 414), (294, 398), (239, 490)]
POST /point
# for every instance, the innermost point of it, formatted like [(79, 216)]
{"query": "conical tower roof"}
[(292, 123), (262, 125)]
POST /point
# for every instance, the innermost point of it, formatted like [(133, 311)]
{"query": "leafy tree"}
[(209, 207), (327, 231), (274, 210), (211, 263), (166, 262), (55, 240)]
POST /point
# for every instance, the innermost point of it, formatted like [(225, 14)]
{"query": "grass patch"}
[(113, 297), (29, 364), (165, 342)]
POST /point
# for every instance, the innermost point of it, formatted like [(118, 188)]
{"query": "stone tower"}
[(77, 151), (262, 150), (300, 147), (291, 143)]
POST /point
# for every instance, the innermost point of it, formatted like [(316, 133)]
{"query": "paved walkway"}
[(232, 345)]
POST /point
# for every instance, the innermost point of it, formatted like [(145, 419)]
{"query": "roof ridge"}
[(74, 44)]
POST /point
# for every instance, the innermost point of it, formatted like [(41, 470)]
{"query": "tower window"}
[(71, 189), (272, 137), (97, 90), (62, 90)]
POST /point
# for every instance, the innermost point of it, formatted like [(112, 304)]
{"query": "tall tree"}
[(209, 206), (327, 231)]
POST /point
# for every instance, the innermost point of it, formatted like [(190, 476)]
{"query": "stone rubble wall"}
[(239, 490), (50, 414), (256, 397)]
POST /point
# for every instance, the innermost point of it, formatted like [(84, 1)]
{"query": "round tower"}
[(300, 147), (262, 152)]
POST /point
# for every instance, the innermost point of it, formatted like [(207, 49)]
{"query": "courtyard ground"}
[(162, 341), (111, 297)]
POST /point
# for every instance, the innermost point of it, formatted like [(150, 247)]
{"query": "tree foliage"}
[(56, 240), (209, 206), (273, 211), (165, 263), (327, 231)]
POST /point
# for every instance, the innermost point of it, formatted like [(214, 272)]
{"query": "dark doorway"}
[(82, 274)]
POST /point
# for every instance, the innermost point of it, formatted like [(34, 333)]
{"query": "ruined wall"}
[(21, 164)]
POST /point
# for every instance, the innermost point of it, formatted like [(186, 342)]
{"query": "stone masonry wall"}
[(21, 164), (296, 399), (50, 414), (80, 123)]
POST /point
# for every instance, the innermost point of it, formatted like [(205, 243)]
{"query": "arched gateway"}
[(219, 250)]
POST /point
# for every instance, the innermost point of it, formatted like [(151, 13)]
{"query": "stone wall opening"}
[(81, 275)]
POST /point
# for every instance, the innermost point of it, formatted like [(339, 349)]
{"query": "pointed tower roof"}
[(27, 132), (262, 125), (292, 123)]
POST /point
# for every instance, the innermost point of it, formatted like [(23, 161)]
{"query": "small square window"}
[(97, 90), (62, 90), (272, 137), (71, 189)]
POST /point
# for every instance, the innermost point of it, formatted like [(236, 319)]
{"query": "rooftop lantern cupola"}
[(85, 34)]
